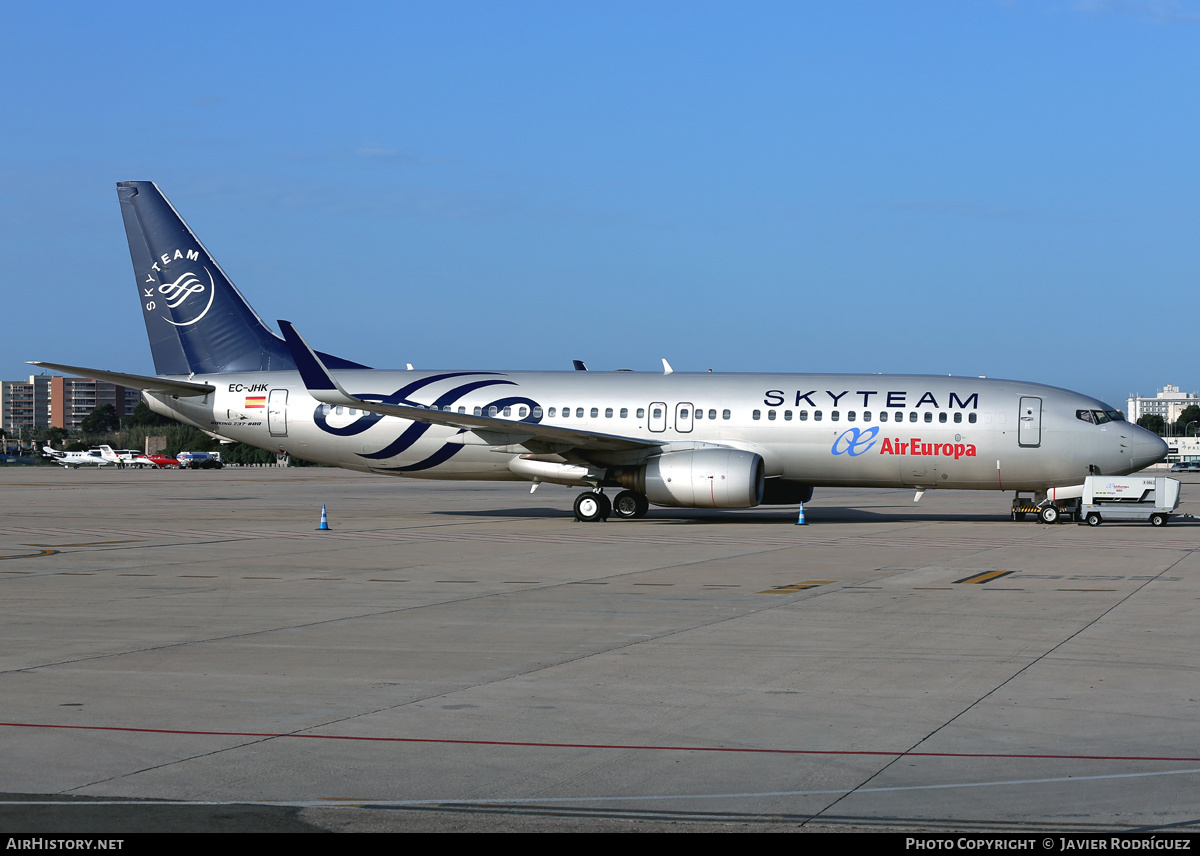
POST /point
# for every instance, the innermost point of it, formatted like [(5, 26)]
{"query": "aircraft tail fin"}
[(195, 317)]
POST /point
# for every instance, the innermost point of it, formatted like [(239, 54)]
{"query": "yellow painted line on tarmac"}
[(980, 579), (795, 587), (32, 555)]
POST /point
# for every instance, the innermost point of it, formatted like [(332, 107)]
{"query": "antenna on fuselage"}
[(667, 366)]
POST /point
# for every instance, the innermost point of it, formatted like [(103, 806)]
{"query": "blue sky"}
[(981, 188)]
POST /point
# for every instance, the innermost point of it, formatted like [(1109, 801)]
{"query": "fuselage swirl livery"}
[(672, 439)]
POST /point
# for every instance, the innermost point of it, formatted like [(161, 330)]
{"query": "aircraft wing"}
[(150, 384), (494, 432)]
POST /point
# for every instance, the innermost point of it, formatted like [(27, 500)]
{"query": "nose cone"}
[(1146, 447)]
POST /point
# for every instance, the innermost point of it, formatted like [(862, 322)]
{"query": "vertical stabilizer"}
[(196, 318)]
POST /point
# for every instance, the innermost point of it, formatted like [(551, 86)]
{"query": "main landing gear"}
[(594, 505)]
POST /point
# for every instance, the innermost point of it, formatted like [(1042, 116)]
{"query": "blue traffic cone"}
[(801, 522), (325, 520)]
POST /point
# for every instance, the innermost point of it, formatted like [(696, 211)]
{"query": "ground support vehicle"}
[(1107, 498)]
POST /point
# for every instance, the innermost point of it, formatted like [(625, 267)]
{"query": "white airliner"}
[(671, 439), (90, 458)]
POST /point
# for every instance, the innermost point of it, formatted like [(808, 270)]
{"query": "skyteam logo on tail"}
[(177, 292)]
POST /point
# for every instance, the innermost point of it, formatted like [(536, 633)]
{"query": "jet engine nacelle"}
[(706, 478)]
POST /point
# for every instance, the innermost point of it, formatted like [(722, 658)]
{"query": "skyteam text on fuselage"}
[(706, 440)]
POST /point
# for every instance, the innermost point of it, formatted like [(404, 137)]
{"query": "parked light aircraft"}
[(127, 458), (90, 458), (673, 439)]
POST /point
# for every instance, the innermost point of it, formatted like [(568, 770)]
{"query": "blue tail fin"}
[(196, 318)]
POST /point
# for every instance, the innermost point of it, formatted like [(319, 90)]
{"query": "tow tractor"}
[(1102, 498)]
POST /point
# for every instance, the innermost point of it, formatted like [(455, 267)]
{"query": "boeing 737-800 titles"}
[(672, 439)]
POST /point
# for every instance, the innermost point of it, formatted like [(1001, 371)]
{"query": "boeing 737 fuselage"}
[(671, 439)]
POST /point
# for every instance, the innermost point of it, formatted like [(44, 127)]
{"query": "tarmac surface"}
[(184, 651)]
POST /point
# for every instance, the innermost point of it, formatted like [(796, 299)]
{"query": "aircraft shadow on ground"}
[(824, 516)]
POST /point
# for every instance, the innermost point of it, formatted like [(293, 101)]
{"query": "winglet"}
[(320, 383)]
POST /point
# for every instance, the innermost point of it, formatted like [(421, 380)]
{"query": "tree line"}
[(1178, 428)]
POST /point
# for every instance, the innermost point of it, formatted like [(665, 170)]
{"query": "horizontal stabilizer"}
[(133, 381)]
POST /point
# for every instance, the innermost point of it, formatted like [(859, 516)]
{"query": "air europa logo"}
[(854, 442), (916, 447)]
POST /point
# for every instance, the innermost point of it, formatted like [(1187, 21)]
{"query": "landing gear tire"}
[(1158, 520), (1049, 514), (1093, 519), (590, 507), (630, 505)]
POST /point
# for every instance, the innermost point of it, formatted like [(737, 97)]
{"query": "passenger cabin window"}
[(699, 413), (866, 416), (835, 415), (712, 414), (787, 416), (492, 410), (725, 414), (771, 415), (928, 416), (912, 416), (757, 414), (537, 412), (958, 417), (883, 416), (641, 412), (655, 414), (850, 416), (595, 412), (624, 412), (816, 416), (551, 413), (578, 412), (478, 412), (803, 415)]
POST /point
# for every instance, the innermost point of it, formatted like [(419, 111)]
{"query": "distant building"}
[(1182, 449), (51, 401), (1168, 404), (25, 404)]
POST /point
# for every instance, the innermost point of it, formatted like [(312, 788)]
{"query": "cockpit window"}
[(1085, 415), (1101, 417), (1115, 415)]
